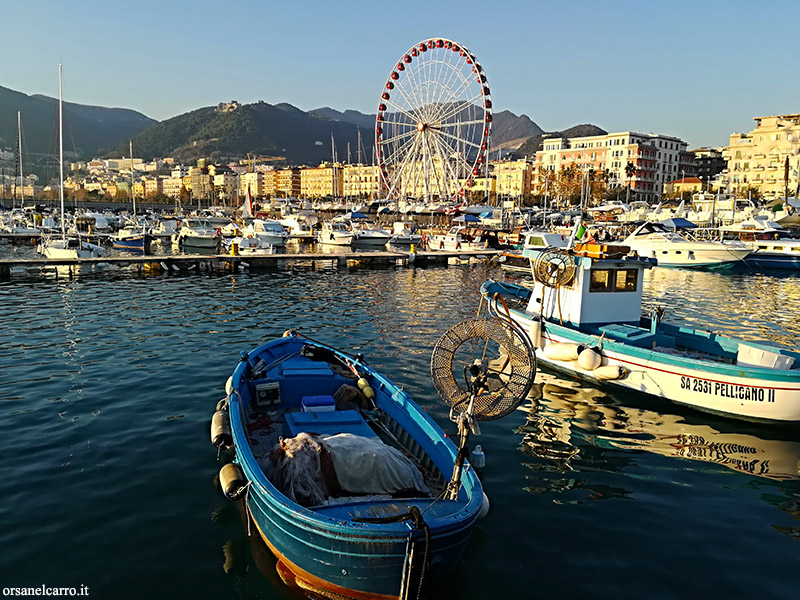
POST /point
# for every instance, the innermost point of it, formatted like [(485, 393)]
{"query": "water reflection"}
[(569, 421)]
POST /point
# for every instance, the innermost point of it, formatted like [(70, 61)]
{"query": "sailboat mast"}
[(133, 196), (61, 153), (19, 160)]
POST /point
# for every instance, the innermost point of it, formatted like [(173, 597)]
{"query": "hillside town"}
[(760, 164)]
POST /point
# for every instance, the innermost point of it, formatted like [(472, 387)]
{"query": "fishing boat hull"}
[(139, 243), (648, 362), (325, 549)]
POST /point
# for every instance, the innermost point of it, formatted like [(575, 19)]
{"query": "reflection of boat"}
[(567, 412), (370, 487), (584, 317), (672, 249)]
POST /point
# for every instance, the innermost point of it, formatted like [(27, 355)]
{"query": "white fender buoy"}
[(610, 372), (590, 358), (232, 481), (221, 435), (484, 506), (477, 458), (562, 351), (535, 333), (229, 386)]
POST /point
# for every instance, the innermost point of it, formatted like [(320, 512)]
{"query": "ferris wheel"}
[(433, 123)]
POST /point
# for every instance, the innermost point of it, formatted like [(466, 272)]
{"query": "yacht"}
[(335, 233), (268, 231), (198, 234), (673, 249)]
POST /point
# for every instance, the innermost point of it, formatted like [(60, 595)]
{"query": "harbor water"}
[(108, 382)]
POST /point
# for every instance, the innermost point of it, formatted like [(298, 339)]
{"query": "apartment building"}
[(361, 181), (767, 158), (171, 186), (324, 180), (513, 178), (252, 182), (287, 183), (656, 159)]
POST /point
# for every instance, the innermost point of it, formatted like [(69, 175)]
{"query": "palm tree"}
[(630, 171)]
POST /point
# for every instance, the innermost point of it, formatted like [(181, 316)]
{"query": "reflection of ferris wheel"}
[(433, 123)]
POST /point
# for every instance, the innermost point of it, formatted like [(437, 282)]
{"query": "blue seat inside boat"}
[(326, 423), (636, 336)]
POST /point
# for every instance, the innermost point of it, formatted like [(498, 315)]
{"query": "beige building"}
[(324, 180), (688, 185), (361, 181), (254, 182), (172, 186), (514, 177), (758, 159), (226, 186), (152, 187), (287, 183), (201, 182), (270, 183)]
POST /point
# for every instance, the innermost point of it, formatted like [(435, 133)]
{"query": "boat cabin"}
[(606, 288)]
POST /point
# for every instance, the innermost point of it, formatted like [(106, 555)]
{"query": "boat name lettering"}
[(727, 390)]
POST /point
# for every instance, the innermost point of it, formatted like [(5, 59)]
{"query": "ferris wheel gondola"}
[(433, 122)]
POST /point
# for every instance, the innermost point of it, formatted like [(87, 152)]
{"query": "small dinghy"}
[(357, 492)]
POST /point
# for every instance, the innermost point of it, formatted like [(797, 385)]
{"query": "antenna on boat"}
[(483, 368)]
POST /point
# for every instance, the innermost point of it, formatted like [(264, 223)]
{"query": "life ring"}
[(218, 231), (250, 236), (458, 245), (441, 245)]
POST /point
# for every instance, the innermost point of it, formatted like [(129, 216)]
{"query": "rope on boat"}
[(415, 516)]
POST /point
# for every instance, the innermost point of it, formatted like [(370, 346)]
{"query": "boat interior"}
[(312, 390)]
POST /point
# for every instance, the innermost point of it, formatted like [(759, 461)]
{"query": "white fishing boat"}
[(583, 315), (673, 249)]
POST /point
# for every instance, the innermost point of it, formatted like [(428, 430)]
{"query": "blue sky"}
[(697, 70)]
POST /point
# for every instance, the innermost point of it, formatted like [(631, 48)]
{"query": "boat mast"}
[(133, 195), (19, 160), (61, 153)]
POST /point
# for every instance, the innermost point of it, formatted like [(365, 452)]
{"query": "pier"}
[(187, 263)]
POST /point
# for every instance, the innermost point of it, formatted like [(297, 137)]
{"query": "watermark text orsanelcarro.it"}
[(44, 590)]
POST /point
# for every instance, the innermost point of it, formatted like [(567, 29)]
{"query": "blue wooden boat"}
[(354, 544)]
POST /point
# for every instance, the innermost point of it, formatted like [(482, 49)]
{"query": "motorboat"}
[(673, 249), (247, 246), (197, 233), (336, 233), (583, 315), (368, 234), (403, 234), (341, 473), (133, 238), (770, 246), (268, 231), (458, 238)]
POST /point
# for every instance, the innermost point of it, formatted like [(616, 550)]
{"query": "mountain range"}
[(88, 130), (282, 132)]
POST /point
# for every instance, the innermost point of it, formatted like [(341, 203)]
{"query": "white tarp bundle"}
[(365, 465)]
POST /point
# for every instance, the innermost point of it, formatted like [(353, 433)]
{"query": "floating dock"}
[(187, 263)]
